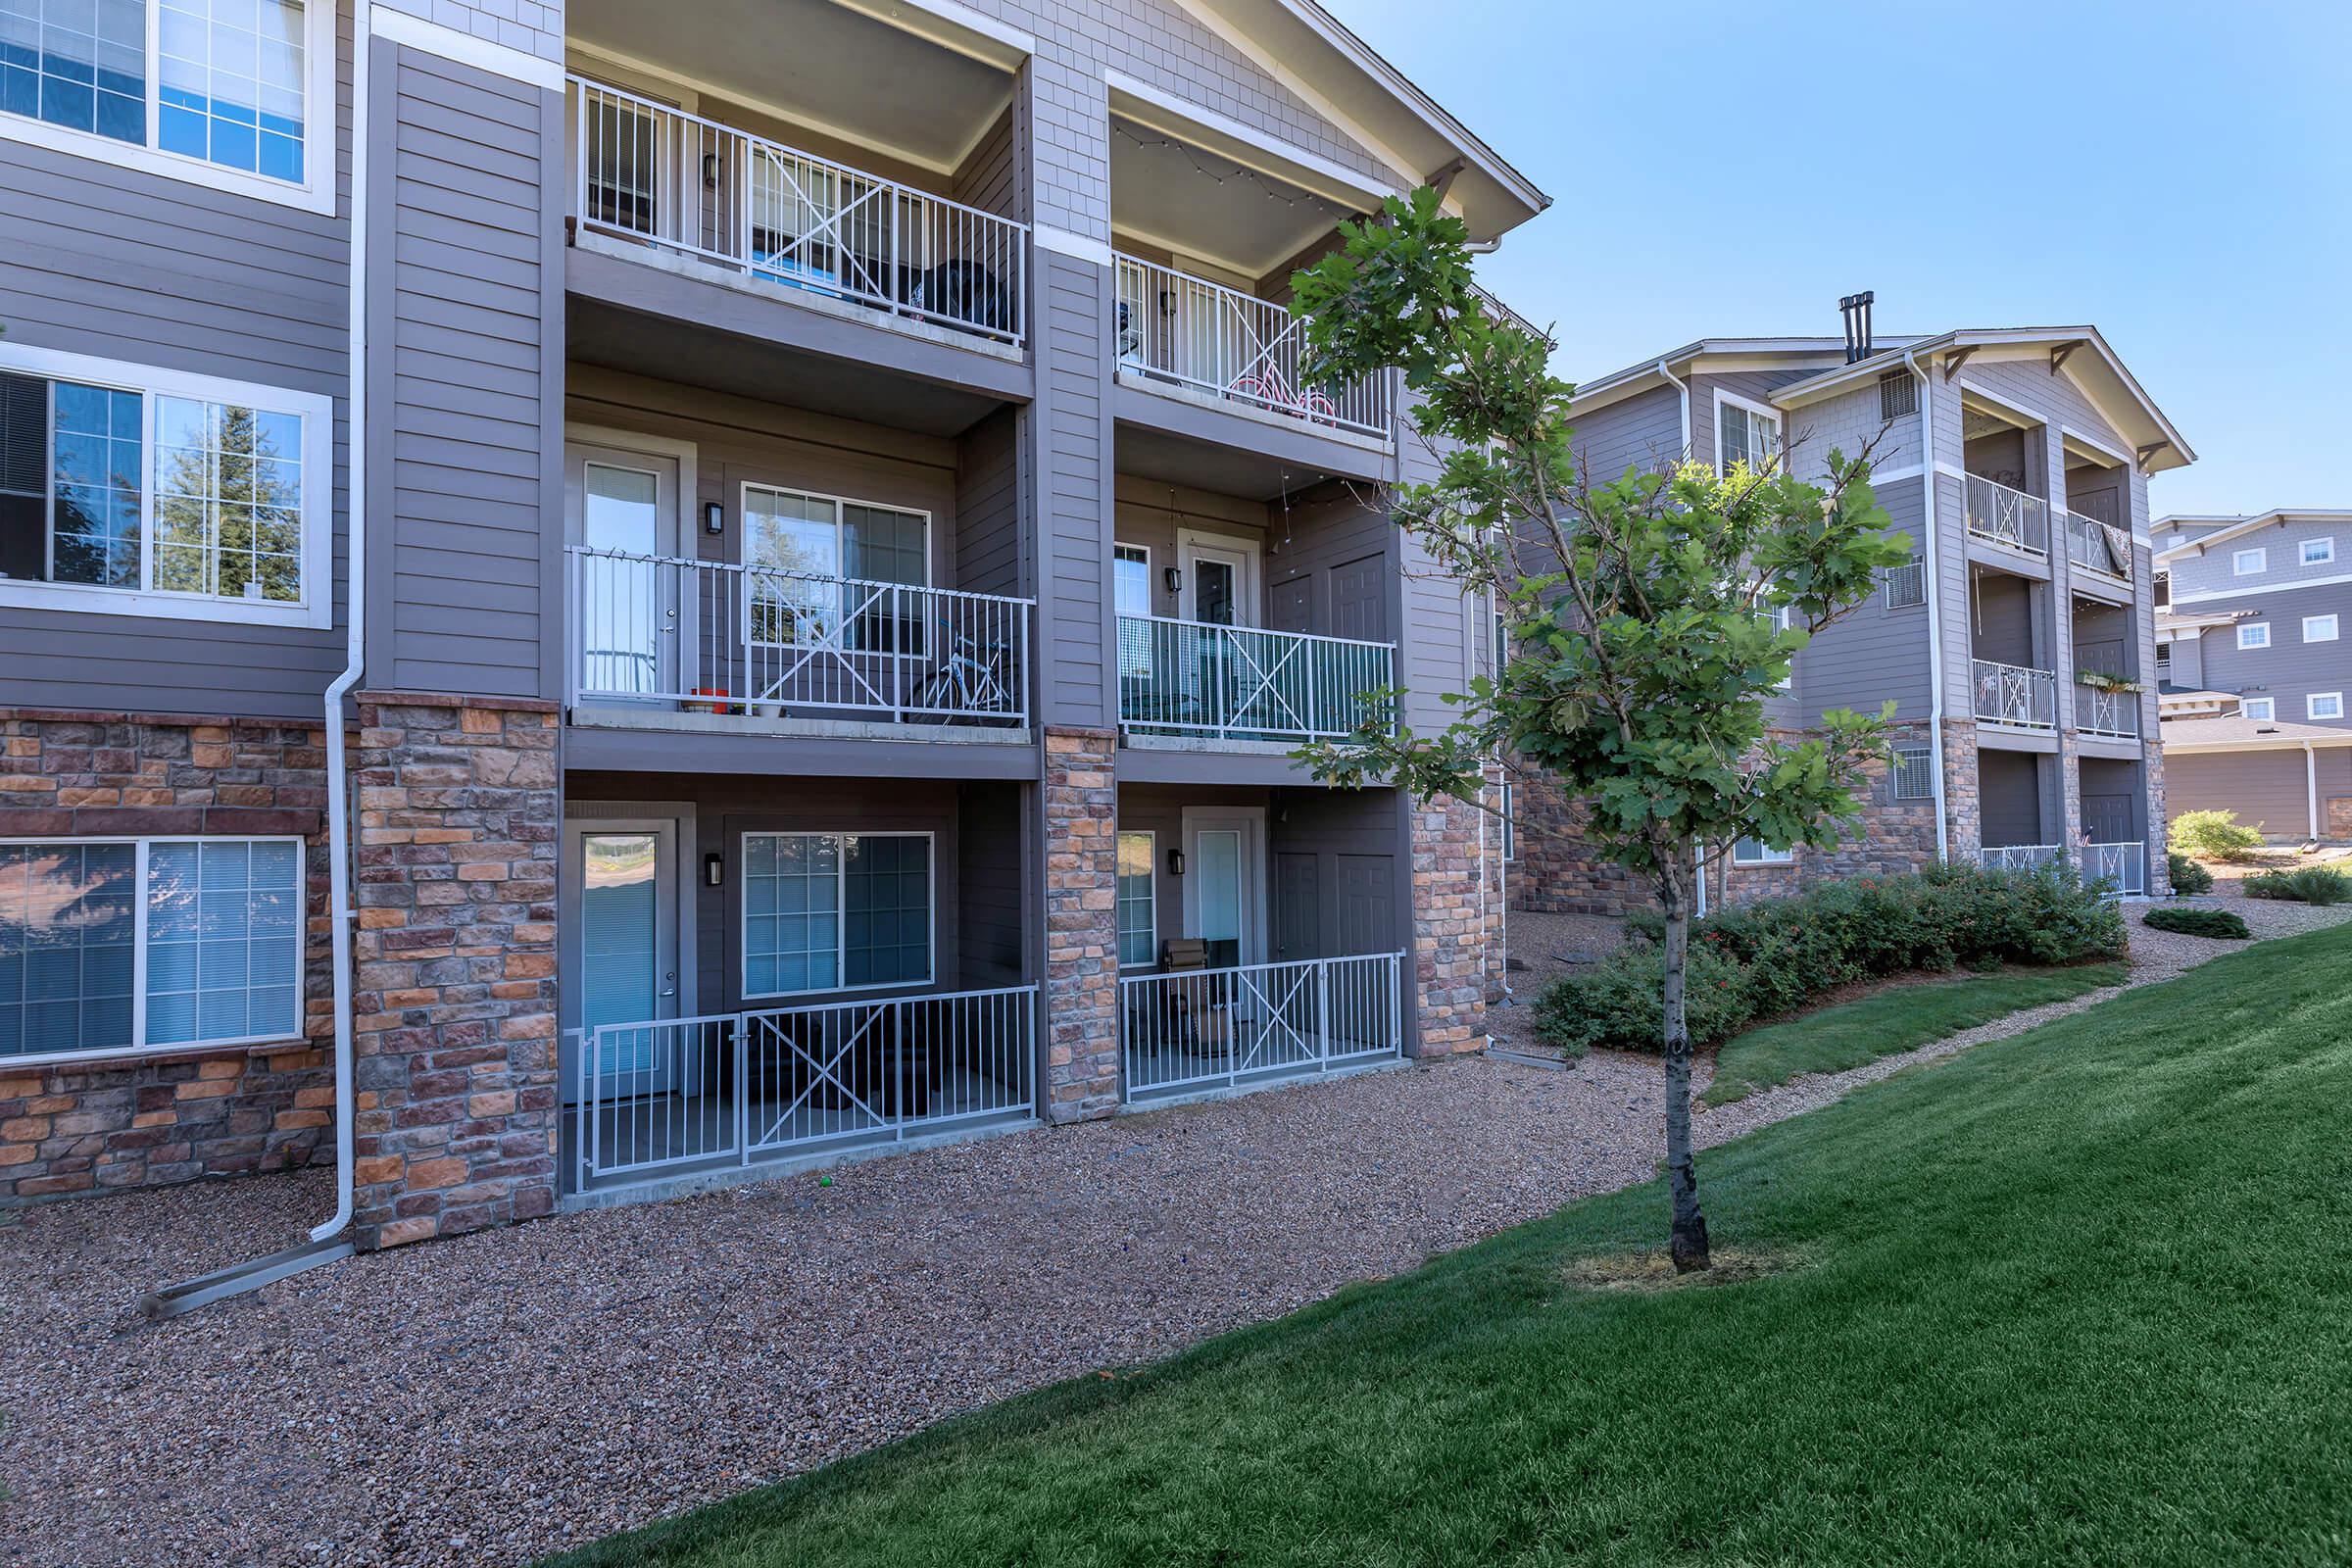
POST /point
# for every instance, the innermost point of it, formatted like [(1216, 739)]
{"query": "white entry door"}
[(631, 601), (1220, 580), (1225, 882), (622, 959)]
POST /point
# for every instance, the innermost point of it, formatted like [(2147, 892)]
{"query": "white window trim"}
[(1763, 409), (2310, 704), (2248, 641), (2328, 636), (316, 608), (321, 116), (1918, 564), (2262, 562), (1895, 784), (841, 946), (1507, 829), (743, 510), (1143, 551), (2246, 707), (1151, 863), (138, 962), (2325, 557), (1767, 855)]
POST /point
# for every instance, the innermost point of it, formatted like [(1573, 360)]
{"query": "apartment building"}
[(796, 531), (2016, 645), (2253, 669)]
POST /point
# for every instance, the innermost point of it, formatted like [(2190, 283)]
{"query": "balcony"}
[(2097, 548), (2019, 856), (1174, 331), (2108, 714), (2007, 516), (1199, 1029), (773, 218), (2013, 695), (2122, 868), (702, 644), (1188, 678)]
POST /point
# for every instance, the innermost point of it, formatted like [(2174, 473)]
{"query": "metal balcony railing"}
[(2122, 868), (2008, 517), (1172, 327), (754, 642), (1188, 677), (2019, 856), (2111, 714), (2011, 694), (2097, 548), (645, 172), (1203, 1027), (737, 1087)]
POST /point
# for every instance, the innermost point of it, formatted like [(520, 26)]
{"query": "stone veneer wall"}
[(2159, 871), (177, 1115), (1081, 993), (1553, 870), (456, 1109), (1895, 837), (1449, 958)]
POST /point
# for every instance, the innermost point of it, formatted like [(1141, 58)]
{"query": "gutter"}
[(1927, 459), (326, 1242), (1682, 389)]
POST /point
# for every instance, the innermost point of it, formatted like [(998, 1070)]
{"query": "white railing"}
[(2112, 714), (645, 172), (1172, 327), (1203, 1027), (2097, 548), (1240, 682), (2008, 517), (2011, 694), (2122, 868), (715, 637), (732, 1089), (2019, 856)]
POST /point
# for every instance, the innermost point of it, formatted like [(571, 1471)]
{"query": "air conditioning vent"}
[(1898, 395)]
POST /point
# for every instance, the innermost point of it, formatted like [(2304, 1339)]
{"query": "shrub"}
[(2211, 836), (2196, 923), (2188, 875), (1773, 956), (2310, 884)]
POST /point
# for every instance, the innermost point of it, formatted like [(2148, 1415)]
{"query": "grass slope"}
[(2078, 1295), (1900, 1019)]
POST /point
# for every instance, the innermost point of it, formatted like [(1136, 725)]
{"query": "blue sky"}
[(2177, 173)]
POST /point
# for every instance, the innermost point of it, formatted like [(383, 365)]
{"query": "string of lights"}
[(1295, 197)]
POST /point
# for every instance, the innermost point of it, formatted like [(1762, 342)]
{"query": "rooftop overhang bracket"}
[(2063, 352), (1956, 359)]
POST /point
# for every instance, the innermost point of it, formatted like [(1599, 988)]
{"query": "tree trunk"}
[(1689, 1244)]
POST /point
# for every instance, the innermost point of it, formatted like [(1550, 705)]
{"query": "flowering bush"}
[(1773, 956)]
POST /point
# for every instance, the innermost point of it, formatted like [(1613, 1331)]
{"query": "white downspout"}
[(2311, 787), (1699, 856), (1934, 593), (354, 616)]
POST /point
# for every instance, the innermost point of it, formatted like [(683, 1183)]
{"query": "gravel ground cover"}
[(487, 1400)]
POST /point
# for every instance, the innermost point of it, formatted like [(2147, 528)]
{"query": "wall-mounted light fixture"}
[(715, 516), (1173, 577), (710, 169), (1175, 862), (715, 870)]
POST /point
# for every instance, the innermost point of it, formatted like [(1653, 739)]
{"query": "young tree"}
[(1647, 617)]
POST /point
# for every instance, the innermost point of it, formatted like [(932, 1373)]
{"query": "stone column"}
[(1964, 820), (1447, 963), (454, 993), (1081, 994)]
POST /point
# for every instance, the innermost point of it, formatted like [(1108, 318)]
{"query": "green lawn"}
[(1833, 1039), (2081, 1296)]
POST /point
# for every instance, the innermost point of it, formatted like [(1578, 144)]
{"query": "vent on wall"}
[(1898, 395)]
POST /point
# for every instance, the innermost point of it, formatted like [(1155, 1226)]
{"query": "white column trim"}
[(502, 60)]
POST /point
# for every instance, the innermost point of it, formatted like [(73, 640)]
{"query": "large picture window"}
[(147, 492), (830, 911), (232, 91), (823, 569), (1139, 918), (115, 946)]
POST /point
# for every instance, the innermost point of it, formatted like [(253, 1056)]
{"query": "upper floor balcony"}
[(2014, 694), (2005, 515), (1205, 681), (2093, 548)]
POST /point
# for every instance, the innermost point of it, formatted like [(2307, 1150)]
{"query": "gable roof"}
[(2223, 529), (2235, 732)]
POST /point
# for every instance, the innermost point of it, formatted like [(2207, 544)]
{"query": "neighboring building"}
[(845, 550), (2254, 653), (2016, 460)]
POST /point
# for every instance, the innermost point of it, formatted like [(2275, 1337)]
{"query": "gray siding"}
[(2197, 576), (2290, 669), (988, 505), (1880, 651), (469, 417), (2268, 790), (101, 260), (2010, 796), (1643, 432), (1073, 500)]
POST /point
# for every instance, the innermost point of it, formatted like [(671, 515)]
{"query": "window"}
[(2254, 634), (2264, 709), (2317, 551), (1131, 589), (1907, 584), (2319, 628), (1509, 823), (2249, 563), (2323, 705), (1756, 851), (1898, 395), (822, 570), (1913, 775), (826, 911), (1747, 433), (146, 492), (2164, 659), (125, 944), (224, 91), (1139, 910), (2164, 589)]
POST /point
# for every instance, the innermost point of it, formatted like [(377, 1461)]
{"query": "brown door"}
[(2107, 818), (1291, 605), (1297, 906)]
